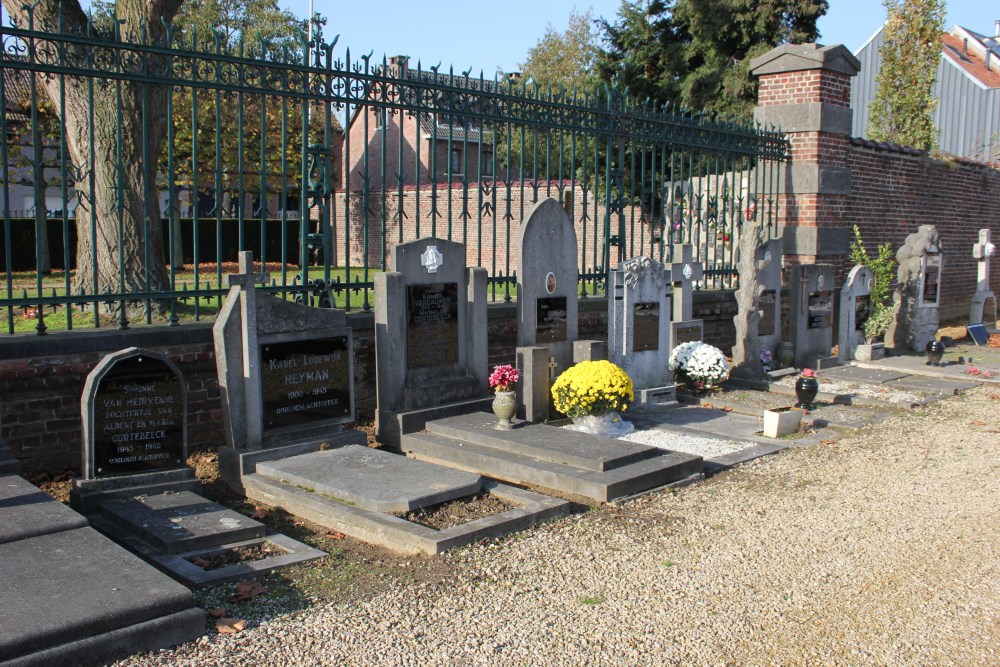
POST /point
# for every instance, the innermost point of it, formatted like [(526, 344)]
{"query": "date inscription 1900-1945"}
[(305, 380)]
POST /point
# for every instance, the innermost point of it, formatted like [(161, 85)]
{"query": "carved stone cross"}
[(246, 277), (983, 251), (683, 274)]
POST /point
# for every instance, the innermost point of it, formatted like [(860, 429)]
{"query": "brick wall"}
[(893, 191)]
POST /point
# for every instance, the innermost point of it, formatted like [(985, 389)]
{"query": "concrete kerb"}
[(400, 535)]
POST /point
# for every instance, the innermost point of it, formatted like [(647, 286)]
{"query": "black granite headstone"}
[(305, 380), (432, 325), (138, 417), (550, 324), (646, 327)]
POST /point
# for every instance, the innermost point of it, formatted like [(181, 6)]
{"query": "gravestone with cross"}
[(286, 376), (855, 308), (683, 275), (812, 314), (983, 251), (430, 337), (639, 326)]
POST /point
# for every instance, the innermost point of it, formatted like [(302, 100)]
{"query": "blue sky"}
[(491, 36)]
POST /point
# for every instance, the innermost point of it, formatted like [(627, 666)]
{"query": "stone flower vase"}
[(785, 354), (805, 392), (504, 407), (869, 352)]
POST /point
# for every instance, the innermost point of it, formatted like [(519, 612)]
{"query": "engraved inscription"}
[(687, 333), (646, 327), (432, 325), (305, 380), (138, 422), (820, 310), (550, 323), (862, 311)]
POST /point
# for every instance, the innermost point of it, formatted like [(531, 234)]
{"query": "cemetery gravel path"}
[(881, 549)]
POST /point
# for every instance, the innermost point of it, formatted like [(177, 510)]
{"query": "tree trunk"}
[(746, 353)]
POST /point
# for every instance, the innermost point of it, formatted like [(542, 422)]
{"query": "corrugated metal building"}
[(967, 85)]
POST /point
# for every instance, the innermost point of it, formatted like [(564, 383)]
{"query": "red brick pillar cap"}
[(796, 57)]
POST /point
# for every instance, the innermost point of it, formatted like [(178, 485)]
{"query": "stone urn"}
[(786, 354), (504, 407), (935, 351), (806, 389)]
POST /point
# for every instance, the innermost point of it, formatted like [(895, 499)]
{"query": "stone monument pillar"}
[(978, 312), (918, 290)]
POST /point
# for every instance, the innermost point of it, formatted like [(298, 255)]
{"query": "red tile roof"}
[(954, 50)]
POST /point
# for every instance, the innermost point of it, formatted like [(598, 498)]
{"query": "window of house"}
[(381, 118), (456, 160), (486, 165)]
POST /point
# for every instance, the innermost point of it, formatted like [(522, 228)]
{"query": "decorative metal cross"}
[(246, 277), (683, 274), (552, 369), (983, 251)]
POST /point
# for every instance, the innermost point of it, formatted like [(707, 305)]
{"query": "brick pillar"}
[(805, 90)]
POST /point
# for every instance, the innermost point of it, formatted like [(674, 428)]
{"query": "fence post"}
[(805, 89)]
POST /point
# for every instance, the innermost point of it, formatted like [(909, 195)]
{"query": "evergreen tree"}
[(696, 53), (903, 108)]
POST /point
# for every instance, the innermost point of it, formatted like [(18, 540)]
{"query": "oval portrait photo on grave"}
[(550, 283)]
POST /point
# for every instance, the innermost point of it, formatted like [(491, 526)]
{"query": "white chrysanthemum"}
[(700, 362)]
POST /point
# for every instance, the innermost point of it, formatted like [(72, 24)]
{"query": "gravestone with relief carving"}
[(286, 376), (430, 337), (918, 290), (639, 327)]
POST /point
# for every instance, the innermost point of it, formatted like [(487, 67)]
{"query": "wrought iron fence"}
[(162, 159)]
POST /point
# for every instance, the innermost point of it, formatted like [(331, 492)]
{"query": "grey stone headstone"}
[(855, 308), (983, 251), (286, 371), (917, 296), (134, 409), (812, 313), (684, 273), (547, 276), (639, 312), (430, 330)]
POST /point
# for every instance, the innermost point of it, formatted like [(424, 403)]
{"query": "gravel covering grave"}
[(708, 448), (879, 549)]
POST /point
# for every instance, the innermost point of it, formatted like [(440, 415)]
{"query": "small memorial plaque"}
[(138, 418), (646, 327), (862, 311), (550, 325), (932, 279), (687, 333), (979, 334), (820, 310), (432, 325), (305, 380), (767, 303)]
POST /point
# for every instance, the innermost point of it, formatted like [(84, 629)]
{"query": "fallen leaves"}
[(230, 626), (246, 590), (200, 562), (334, 535), (977, 422), (260, 513), (827, 442)]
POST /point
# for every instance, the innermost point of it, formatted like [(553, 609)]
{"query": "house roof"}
[(16, 89), (954, 48)]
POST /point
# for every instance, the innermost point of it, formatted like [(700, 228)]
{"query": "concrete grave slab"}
[(102, 602), (27, 511), (373, 479), (177, 522), (945, 386)]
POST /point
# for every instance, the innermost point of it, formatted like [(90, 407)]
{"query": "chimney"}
[(996, 28), (399, 63), (965, 46)]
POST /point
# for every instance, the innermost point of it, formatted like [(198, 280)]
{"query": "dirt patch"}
[(236, 555), (457, 512), (57, 484)]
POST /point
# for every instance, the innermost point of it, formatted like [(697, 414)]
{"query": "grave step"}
[(664, 467), (26, 511), (547, 443), (397, 534), (8, 464)]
